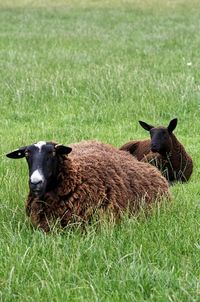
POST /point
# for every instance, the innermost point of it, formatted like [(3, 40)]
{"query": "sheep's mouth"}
[(158, 150), (37, 191)]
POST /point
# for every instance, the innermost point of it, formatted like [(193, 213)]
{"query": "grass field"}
[(75, 70)]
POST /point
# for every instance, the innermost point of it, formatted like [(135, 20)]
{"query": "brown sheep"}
[(164, 151), (72, 186)]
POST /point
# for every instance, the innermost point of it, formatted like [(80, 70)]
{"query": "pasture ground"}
[(75, 70)]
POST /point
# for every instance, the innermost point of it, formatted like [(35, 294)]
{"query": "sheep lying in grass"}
[(70, 184), (164, 151)]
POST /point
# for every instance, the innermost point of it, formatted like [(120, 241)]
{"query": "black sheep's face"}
[(161, 140), (42, 159)]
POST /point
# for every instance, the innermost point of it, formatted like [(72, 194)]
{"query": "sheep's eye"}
[(51, 153), (27, 153)]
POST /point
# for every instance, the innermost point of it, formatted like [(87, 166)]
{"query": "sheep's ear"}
[(60, 149), (19, 153), (172, 125), (146, 126)]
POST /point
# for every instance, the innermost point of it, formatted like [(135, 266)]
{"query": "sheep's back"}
[(117, 173), (137, 148)]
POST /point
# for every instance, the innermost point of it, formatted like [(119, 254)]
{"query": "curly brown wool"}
[(93, 178)]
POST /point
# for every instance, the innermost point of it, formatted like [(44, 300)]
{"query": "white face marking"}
[(40, 144), (37, 177)]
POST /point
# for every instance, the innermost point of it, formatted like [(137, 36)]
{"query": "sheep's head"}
[(161, 140), (42, 159)]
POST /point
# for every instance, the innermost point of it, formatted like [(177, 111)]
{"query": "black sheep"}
[(164, 151)]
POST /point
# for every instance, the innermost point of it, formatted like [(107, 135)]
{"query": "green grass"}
[(75, 70)]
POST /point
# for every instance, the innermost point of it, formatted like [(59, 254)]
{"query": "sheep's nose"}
[(36, 182), (36, 178), (35, 185)]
